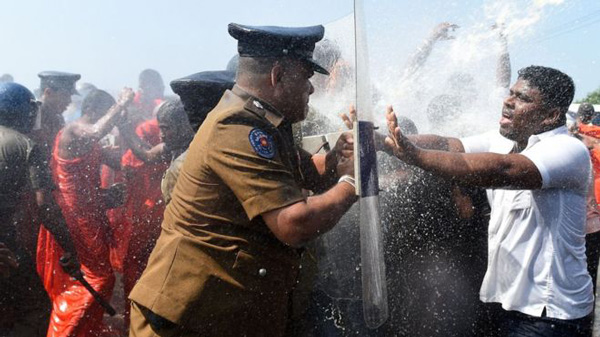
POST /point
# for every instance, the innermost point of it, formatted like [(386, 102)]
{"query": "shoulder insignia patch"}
[(262, 143)]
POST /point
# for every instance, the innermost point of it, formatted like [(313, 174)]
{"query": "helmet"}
[(18, 107)]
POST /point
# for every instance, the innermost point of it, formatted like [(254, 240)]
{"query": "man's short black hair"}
[(586, 112), (150, 77), (557, 88), (256, 65), (97, 101), (171, 112)]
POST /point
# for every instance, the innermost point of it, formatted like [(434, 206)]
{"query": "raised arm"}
[(105, 124), (503, 65), (440, 32)]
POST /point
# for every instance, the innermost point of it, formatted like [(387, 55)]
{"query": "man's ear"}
[(276, 74), (553, 118), (47, 91)]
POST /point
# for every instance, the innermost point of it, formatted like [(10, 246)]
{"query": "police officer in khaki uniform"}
[(227, 258), (56, 89), (199, 93), (25, 185)]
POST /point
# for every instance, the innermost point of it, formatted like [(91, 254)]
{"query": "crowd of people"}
[(206, 209)]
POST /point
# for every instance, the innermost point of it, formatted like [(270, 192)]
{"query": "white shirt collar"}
[(534, 139)]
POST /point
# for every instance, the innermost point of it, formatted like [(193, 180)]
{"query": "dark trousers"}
[(516, 324), (24, 303), (592, 252)]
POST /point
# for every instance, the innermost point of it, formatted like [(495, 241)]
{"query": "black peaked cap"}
[(59, 80), (273, 41)]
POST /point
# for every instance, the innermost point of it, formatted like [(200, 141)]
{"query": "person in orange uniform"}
[(590, 135), (76, 161), (145, 166), (148, 97), (227, 258)]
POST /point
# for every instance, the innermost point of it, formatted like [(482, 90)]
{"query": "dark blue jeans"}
[(516, 324)]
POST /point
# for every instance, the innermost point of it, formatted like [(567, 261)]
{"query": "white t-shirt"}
[(536, 238)]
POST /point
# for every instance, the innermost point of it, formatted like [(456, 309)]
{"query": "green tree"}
[(593, 97)]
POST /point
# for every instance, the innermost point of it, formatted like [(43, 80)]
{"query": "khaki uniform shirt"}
[(216, 267), (44, 134), (22, 171)]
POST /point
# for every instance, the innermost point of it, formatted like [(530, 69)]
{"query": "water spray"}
[(374, 287)]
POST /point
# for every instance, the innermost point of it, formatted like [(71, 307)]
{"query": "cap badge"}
[(257, 104), (262, 143)]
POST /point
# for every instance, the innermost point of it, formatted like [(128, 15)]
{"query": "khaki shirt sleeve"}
[(260, 184)]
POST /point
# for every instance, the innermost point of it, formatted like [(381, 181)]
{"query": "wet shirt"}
[(170, 178), (21, 166), (536, 238), (22, 169), (241, 164), (45, 131)]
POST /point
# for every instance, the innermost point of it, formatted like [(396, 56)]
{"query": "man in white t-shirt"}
[(537, 177)]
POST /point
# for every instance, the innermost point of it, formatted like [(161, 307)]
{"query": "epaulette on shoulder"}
[(255, 106)]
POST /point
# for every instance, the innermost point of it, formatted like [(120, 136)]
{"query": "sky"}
[(109, 42)]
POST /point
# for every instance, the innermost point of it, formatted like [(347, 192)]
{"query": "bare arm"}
[(440, 32), (105, 124), (503, 65), (325, 165), (489, 170), (303, 221), (141, 149), (111, 157), (432, 142)]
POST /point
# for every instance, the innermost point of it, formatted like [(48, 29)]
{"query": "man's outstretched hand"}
[(396, 143), (379, 138), (443, 30)]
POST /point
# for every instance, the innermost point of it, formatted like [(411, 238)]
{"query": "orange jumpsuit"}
[(74, 310), (144, 207), (593, 131)]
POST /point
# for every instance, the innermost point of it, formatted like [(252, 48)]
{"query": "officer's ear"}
[(276, 74), (47, 91)]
